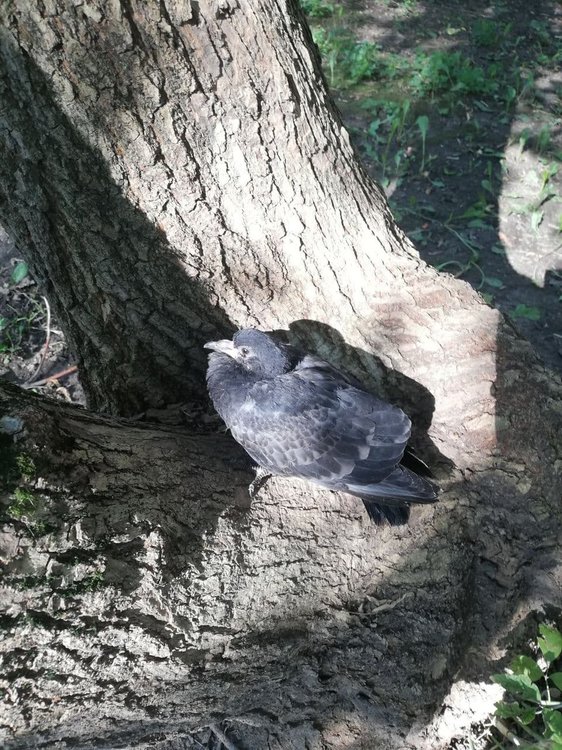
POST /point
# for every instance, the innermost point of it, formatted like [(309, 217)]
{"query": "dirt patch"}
[(33, 351), (455, 110)]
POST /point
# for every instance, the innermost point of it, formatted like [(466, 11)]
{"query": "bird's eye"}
[(244, 350)]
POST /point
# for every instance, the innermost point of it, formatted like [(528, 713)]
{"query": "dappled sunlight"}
[(528, 208), (466, 709), (456, 113)]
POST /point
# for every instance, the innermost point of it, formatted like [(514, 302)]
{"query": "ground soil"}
[(481, 158), (32, 346)]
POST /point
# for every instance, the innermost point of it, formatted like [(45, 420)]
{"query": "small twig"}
[(384, 607), (221, 736), (504, 730), (45, 345), (55, 376)]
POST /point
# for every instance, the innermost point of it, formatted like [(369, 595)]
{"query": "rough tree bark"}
[(174, 170)]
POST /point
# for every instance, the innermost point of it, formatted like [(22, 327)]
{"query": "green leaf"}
[(519, 685), (507, 710), (3, 322), (494, 282), (536, 219), (556, 678), (527, 715), (553, 720), (423, 124), (528, 666), (523, 311), (479, 224), (19, 272), (551, 642), (524, 714)]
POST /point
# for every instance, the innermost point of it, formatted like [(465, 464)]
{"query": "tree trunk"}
[(175, 170)]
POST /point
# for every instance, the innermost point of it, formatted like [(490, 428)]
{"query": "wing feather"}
[(314, 424)]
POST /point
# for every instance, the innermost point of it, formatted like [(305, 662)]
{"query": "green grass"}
[(346, 60), (26, 506), (320, 9), (410, 86), (22, 503), (452, 74), (16, 324), (26, 466), (14, 329), (485, 32), (440, 80)]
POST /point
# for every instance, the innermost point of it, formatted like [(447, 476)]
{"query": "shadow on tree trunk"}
[(391, 385), (295, 612), (119, 287)]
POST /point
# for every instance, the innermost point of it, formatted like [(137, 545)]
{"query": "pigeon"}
[(297, 415)]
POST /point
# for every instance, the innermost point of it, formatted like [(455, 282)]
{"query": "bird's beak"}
[(225, 346)]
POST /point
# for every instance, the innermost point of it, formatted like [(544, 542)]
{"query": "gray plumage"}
[(296, 415)]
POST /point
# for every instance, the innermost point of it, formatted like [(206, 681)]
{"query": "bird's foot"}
[(262, 475)]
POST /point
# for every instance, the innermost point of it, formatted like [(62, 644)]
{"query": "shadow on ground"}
[(485, 204)]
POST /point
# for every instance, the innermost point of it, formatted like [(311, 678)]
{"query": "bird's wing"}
[(378, 475), (318, 371), (312, 423)]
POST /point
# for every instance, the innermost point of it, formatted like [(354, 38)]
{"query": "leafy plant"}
[(386, 132), (320, 8), (22, 503), (543, 139), (19, 272), (488, 182), (423, 125), (530, 716), (524, 311), (485, 32), (14, 329), (547, 174), (348, 61), (451, 72)]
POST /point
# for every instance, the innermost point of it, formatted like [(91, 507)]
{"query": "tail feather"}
[(411, 460), (400, 484), (380, 514), (389, 501)]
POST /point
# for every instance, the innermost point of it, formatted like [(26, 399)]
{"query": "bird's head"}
[(256, 352)]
